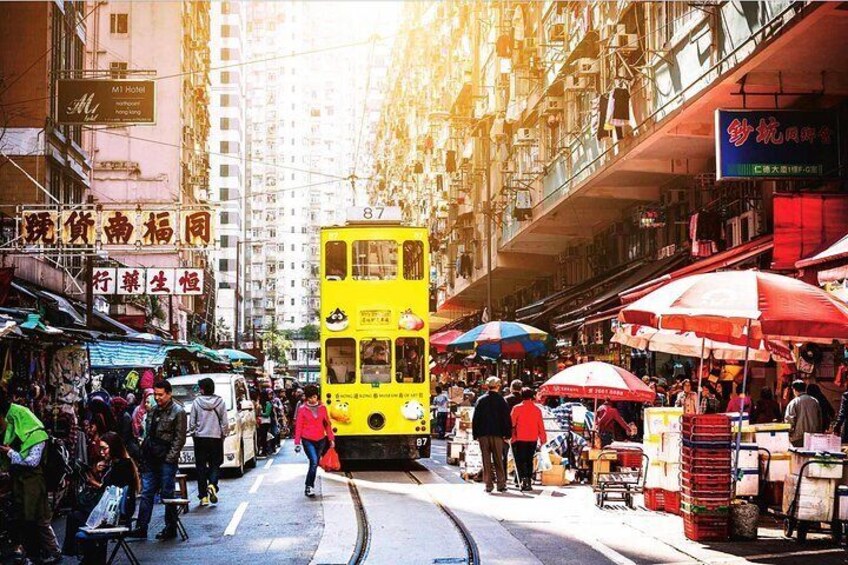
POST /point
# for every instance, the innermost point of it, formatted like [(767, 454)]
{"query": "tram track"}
[(363, 534)]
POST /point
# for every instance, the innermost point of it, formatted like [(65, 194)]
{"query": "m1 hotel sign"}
[(92, 101)]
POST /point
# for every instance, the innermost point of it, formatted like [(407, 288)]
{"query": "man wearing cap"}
[(491, 426)]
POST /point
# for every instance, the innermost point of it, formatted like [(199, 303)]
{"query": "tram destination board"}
[(374, 215), (105, 101)]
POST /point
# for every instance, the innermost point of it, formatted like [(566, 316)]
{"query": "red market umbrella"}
[(441, 340), (733, 306), (599, 381)]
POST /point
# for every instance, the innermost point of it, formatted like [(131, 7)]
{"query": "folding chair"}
[(117, 533), (182, 507)]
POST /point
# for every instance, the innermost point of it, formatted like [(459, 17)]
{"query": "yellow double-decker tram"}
[(375, 376)]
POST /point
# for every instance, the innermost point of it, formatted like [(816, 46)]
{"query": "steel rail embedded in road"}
[(363, 534), (471, 549)]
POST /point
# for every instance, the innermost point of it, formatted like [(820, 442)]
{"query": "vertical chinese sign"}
[(38, 227), (777, 144), (118, 227)]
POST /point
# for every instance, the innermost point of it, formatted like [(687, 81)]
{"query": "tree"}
[(276, 345), (309, 332)]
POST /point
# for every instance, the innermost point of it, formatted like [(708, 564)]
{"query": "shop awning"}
[(105, 354), (610, 299), (724, 260), (832, 262)]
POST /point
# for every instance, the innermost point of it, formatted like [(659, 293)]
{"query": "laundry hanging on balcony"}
[(463, 265), (523, 209), (619, 113), (705, 233), (450, 162)]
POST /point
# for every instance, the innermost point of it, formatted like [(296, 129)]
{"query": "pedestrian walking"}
[(687, 398), (528, 431), (313, 429), (23, 448), (825, 407), (164, 437), (513, 398), (442, 404), (208, 426), (125, 426), (766, 410), (266, 416), (491, 426), (607, 418), (802, 414)]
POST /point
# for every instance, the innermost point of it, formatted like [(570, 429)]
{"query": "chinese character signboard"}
[(131, 280), (158, 228), (103, 280), (197, 228), (77, 227), (105, 102), (38, 227), (188, 281), (160, 281), (776, 144), (118, 227)]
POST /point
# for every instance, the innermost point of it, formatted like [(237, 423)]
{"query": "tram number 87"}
[(421, 441), (370, 213)]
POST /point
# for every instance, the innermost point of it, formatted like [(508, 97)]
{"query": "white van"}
[(240, 446)]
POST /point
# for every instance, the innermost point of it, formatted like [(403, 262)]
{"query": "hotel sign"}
[(792, 144), (105, 101)]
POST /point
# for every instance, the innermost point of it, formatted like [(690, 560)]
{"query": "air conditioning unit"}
[(552, 105), (587, 66), (530, 44), (576, 82), (524, 136), (622, 41), (742, 228), (556, 32)]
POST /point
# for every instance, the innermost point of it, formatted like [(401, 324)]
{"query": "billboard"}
[(105, 101), (792, 144)]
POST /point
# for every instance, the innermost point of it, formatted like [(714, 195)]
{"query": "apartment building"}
[(579, 138)]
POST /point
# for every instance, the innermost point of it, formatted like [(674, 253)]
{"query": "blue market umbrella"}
[(502, 340), (236, 355)]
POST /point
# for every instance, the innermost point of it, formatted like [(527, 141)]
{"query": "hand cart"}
[(791, 522), (626, 479)]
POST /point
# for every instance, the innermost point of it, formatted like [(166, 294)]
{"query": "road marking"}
[(268, 463), (608, 552), (237, 516), (256, 484), (745, 559)]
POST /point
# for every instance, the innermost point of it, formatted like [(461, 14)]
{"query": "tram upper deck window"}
[(375, 358), (335, 260), (374, 260), (413, 260), (340, 353), (409, 355)]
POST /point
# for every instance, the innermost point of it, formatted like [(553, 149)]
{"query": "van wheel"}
[(240, 468), (252, 463)]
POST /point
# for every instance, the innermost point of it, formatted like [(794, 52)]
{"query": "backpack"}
[(56, 463)]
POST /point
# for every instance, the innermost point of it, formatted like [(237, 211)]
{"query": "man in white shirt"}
[(441, 402)]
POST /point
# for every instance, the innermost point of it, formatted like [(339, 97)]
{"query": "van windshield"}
[(185, 393)]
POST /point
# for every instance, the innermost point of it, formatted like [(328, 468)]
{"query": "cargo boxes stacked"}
[(814, 471), (706, 476), (662, 446)]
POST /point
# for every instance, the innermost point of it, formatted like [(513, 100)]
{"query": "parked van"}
[(240, 446)]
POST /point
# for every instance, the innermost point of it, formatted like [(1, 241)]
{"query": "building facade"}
[(564, 153), (166, 163)]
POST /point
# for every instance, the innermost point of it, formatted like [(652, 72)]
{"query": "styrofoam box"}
[(822, 442), (671, 477), (749, 483), (842, 502), (651, 446), (655, 475), (660, 419), (778, 466), (825, 466), (671, 443), (748, 457), (815, 499), (774, 437)]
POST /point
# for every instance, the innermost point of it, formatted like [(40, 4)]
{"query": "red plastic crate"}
[(704, 483), (705, 506), (706, 418), (706, 532), (630, 457), (671, 504), (654, 498)]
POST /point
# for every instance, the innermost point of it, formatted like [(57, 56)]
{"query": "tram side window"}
[(413, 260), (409, 355), (374, 260), (375, 358), (340, 353), (335, 260)]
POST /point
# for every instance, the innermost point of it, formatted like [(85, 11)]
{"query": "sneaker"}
[(212, 491), (310, 492), (204, 501), (166, 534)]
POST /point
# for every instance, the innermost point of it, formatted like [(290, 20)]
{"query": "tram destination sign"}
[(374, 215), (105, 101), (777, 144)]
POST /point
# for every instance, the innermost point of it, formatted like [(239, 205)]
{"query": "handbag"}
[(330, 461), (107, 512)]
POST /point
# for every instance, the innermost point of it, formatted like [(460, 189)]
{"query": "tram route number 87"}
[(370, 213), (390, 214), (421, 441)]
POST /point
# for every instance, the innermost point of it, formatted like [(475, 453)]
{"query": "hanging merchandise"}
[(705, 233), (599, 113), (618, 107), (523, 209), (450, 162), (69, 374)]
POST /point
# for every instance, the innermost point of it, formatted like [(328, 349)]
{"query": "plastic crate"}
[(654, 498), (700, 531), (671, 504), (630, 458), (714, 505), (725, 443), (706, 484), (706, 419), (705, 429)]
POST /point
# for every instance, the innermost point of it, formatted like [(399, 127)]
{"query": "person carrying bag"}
[(313, 429)]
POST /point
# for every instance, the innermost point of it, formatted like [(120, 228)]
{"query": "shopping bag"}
[(107, 512), (545, 460), (330, 460)]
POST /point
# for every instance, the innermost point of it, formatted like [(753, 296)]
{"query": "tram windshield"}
[(375, 260), (409, 355), (341, 360), (376, 361), (335, 253)]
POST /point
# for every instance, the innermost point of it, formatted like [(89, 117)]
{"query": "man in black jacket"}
[(165, 435), (490, 426)]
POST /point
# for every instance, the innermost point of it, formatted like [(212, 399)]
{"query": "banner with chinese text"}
[(156, 281), (776, 144)]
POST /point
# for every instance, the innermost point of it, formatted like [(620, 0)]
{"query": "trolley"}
[(625, 479), (792, 524), (375, 376)]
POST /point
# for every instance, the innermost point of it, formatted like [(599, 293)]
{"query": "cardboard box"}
[(555, 477)]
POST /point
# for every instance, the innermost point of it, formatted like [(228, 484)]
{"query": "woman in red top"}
[(312, 426), (527, 429)]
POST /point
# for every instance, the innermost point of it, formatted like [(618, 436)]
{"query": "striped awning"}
[(112, 354)]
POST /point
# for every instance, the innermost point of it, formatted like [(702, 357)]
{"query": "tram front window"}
[(335, 255), (341, 360), (409, 352), (374, 260), (375, 357), (413, 260)]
